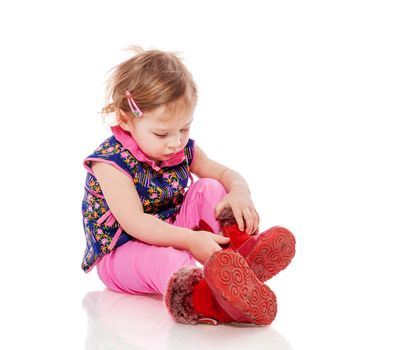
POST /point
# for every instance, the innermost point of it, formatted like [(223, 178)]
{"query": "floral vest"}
[(161, 189)]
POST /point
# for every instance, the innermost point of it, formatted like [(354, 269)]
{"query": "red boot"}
[(228, 292), (267, 253)]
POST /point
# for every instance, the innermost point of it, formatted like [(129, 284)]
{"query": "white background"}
[(298, 96)]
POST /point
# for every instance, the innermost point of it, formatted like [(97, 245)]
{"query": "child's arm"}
[(238, 197), (124, 203)]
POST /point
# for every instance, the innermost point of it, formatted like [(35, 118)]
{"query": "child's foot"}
[(238, 290), (267, 253), (272, 252), (228, 292)]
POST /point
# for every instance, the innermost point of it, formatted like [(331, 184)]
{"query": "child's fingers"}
[(238, 214), (258, 217), (255, 216), (252, 220), (249, 221), (221, 239)]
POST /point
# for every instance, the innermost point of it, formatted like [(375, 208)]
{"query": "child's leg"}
[(139, 268), (199, 204)]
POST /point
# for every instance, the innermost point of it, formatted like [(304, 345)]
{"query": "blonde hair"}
[(154, 78)]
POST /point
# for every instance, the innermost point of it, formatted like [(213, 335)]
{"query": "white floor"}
[(329, 298), (126, 322), (326, 306)]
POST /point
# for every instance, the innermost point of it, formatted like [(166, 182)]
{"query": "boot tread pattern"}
[(272, 253), (233, 281)]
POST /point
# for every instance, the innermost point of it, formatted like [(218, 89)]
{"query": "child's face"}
[(159, 133)]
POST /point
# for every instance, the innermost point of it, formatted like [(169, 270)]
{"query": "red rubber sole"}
[(272, 253), (237, 289)]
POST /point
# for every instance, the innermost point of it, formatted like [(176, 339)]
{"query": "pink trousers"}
[(139, 268)]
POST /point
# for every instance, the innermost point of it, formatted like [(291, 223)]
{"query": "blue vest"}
[(161, 191)]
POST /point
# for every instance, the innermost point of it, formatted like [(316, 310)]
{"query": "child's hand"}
[(203, 244), (239, 200)]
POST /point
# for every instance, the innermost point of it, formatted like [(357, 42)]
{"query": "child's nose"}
[(174, 142)]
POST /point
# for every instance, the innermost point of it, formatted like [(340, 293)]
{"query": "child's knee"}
[(178, 259), (209, 185)]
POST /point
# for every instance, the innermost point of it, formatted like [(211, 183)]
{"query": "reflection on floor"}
[(121, 321)]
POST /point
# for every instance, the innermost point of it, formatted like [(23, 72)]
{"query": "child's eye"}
[(160, 135), (185, 130)]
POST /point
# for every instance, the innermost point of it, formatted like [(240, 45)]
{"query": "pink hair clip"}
[(133, 106)]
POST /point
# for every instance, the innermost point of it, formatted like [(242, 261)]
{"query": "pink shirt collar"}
[(128, 142)]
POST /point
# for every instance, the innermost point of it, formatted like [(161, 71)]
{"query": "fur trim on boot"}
[(226, 217), (178, 297)]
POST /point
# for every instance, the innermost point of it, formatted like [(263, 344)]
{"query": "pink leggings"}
[(139, 268)]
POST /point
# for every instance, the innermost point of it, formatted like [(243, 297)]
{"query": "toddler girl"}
[(147, 222)]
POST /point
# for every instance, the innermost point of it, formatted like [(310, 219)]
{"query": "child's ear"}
[(123, 119)]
